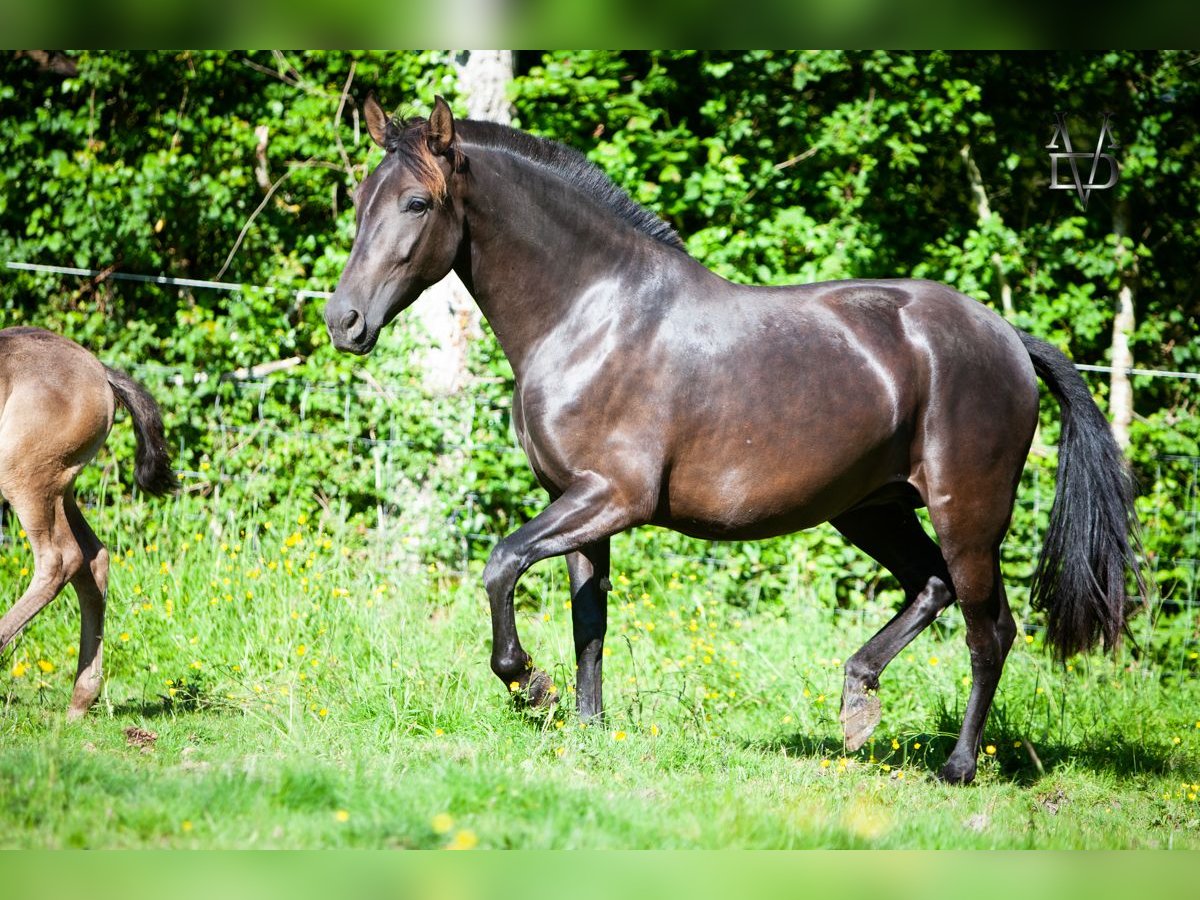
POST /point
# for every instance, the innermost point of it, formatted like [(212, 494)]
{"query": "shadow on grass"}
[(157, 708), (1020, 759), (185, 697), (1025, 759)]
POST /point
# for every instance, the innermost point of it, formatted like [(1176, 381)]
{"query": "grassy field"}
[(288, 683)]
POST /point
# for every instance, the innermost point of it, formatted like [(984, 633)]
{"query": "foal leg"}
[(91, 586), (56, 556), (586, 513), (588, 569), (893, 536)]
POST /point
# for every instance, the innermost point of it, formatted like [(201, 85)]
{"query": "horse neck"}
[(538, 248)]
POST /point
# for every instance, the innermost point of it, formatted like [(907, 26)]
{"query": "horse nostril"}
[(353, 324)]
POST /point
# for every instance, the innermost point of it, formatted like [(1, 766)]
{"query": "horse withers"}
[(651, 391), (56, 408)]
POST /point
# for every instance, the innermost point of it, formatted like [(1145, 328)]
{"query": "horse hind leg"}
[(971, 531), (91, 586), (990, 633), (56, 554), (893, 536)]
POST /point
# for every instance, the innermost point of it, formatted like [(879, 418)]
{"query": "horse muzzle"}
[(348, 329)]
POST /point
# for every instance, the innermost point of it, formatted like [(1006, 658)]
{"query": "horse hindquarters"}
[(39, 460), (973, 457), (65, 549)]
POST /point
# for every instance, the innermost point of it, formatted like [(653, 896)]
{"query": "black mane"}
[(571, 165)]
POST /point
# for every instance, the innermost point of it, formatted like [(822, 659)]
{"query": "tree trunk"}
[(446, 310), (983, 212), (1124, 321)]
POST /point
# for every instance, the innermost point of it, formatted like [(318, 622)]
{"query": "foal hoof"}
[(861, 712), (538, 691)]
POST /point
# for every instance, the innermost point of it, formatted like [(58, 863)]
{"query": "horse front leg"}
[(588, 570), (586, 513)]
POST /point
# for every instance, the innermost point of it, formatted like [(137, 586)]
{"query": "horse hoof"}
[(861, 712), (957, 773), (541, 691), (538, 692)]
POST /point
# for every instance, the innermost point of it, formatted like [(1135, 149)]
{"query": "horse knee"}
[(500, 572)]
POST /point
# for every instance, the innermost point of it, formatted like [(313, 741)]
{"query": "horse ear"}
[(377, 120), (441, 127)]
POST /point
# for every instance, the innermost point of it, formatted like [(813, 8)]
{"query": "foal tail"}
[(1092, 536), (152, 469)]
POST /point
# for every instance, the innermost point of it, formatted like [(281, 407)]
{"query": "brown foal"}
[(56, 409)]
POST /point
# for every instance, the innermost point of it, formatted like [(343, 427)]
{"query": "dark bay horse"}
[(651, 391), (56, 409)]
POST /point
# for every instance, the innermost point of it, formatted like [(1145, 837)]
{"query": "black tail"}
[(1092, 537), (153, 469)]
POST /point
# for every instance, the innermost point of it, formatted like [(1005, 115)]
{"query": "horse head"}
[(409, 225)]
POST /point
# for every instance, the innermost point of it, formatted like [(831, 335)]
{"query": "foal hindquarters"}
[(58, 403), (51, 428)]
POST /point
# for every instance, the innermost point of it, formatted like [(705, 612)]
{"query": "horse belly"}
[(769, 494)]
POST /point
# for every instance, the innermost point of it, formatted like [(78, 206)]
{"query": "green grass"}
[(310, 686)]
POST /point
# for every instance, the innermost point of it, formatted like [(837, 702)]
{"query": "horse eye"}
[(417, 205)]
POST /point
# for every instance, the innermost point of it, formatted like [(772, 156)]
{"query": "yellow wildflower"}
[(463, 840)]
